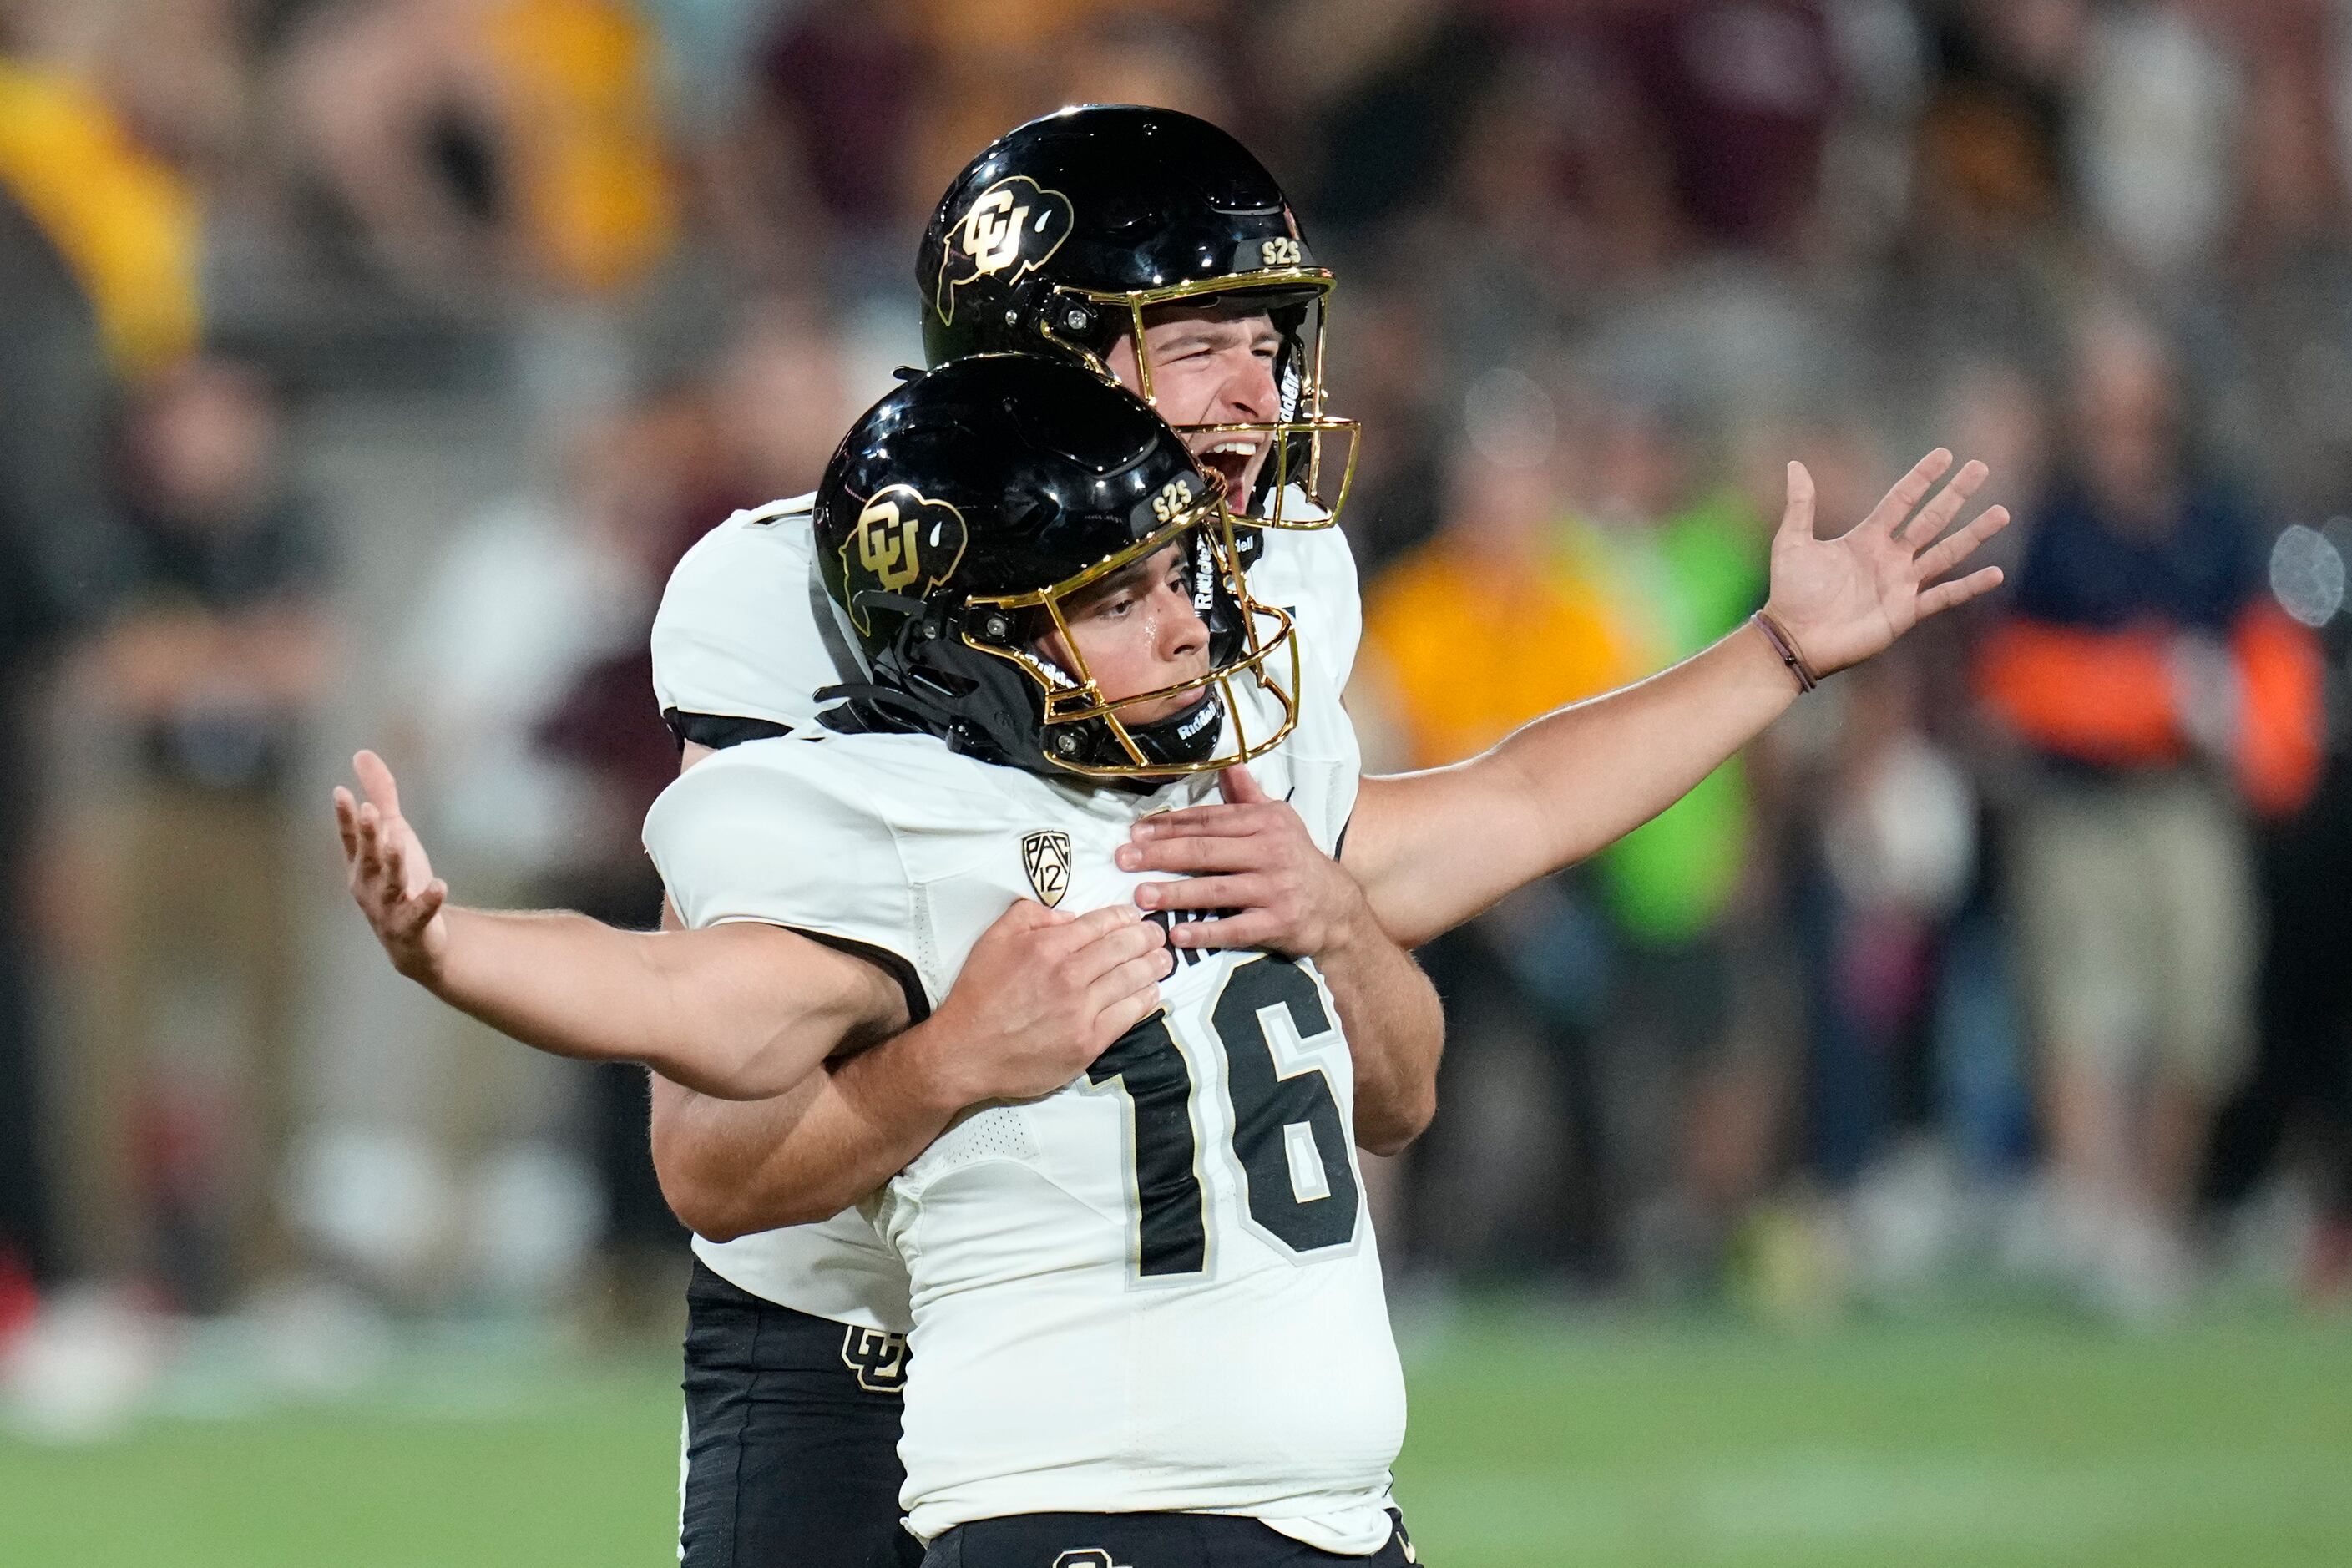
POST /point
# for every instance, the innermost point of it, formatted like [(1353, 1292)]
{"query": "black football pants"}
[(791, 1457)]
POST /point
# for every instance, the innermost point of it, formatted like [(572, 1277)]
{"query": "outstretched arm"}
[(740, 1010), (1431, 850), (737, 1020)]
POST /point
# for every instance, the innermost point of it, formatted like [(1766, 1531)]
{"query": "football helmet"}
[(954, 525), (1066, 232)]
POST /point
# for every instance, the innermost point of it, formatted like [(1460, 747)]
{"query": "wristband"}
[(1786, 647)]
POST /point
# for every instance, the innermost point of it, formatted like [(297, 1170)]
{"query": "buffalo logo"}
[(878, 1359), (1047, 858), (901, 539), (1014, 228), (1086, 1557)]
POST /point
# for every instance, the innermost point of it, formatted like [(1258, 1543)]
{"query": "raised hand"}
[(390, 879), (1251, 856), (1841, 600)]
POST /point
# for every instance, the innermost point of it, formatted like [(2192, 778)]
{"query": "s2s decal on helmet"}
[(1168, 503), (903, 539), (1013, 226)]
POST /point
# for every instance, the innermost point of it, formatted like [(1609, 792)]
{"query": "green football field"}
[(1986, 1443)]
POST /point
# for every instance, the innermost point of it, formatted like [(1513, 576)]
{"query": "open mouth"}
[(1231, 458)]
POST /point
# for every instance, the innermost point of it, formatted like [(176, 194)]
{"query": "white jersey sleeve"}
[(757, 833), (745, 631), (738, 840)]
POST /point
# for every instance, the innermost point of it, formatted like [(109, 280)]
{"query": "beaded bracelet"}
[(1786, 647)]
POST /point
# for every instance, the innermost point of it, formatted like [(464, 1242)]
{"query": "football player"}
[(1148, 1314)]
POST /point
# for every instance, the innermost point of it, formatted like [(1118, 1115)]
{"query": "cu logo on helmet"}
[(886, 545), (901, 536), (1013, 228)]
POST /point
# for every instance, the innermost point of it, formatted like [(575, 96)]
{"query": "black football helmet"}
[(1065, 232), (959, 514)]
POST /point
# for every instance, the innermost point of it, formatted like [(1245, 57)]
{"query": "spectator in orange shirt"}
[(2161, 694)]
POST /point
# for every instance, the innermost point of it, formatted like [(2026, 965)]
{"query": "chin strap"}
[(869, 709)]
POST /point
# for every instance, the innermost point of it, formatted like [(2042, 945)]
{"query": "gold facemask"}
[(1266, 661), (1310, 455)]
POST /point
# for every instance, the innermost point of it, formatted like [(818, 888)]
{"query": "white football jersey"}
[(746, 630), (1156, 1289)]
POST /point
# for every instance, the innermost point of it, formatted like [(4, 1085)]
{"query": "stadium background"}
[(365, 365)]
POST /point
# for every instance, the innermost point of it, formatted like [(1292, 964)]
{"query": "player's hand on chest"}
[(1247, 873)]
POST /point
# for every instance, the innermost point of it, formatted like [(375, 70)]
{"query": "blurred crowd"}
[(364, 365)]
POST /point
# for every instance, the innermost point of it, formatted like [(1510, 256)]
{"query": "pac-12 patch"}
[(1047, 858)]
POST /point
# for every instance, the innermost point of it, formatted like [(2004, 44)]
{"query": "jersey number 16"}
[(1275, 1117)]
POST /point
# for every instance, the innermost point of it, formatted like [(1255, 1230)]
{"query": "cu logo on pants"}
[(1090, 1557), (878, 1359)]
